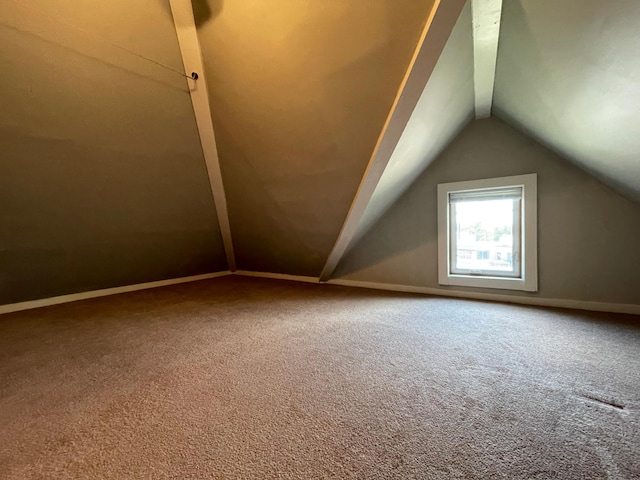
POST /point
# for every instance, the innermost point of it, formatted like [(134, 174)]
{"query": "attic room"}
[(298, 239)]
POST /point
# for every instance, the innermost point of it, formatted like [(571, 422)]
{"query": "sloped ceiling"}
[(445, 107), (568, 74), (102, 178), (300, 91)]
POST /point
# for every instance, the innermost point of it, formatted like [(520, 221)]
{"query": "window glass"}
[(485, 232)]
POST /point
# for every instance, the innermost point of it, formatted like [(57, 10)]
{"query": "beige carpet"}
[(248, 378)]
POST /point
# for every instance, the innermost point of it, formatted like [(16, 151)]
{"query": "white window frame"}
[(528, 281)]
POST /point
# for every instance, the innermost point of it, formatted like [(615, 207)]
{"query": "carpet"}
[(251, 378)]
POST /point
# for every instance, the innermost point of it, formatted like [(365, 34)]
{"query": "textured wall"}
[(587, 234), (300, 90), (102, 179)]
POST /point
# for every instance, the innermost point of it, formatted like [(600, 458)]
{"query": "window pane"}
[(485, 236)]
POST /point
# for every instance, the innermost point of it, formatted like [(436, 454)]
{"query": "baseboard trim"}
[(496, 297), (277, 276), (73, 297)]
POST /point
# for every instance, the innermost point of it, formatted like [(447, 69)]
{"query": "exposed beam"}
[(486, 32), (183, 19), (435, 34)]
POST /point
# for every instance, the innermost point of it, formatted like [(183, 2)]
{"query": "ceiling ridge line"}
[(486, 16)]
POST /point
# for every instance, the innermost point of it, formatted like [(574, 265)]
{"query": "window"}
[(487, 233)]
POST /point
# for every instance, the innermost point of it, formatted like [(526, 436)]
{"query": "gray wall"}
[(102, 178), (300, 90), (588, 235)]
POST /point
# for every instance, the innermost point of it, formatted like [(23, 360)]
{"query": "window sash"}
[(499, 193), (502, 193)]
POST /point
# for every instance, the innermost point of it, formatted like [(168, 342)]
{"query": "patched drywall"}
[(587, 233), (102, 178), (568, 74), (300, 91), (445, 107)]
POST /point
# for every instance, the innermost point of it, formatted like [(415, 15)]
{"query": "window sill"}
[(489, 282)]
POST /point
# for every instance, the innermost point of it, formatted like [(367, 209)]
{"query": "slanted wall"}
[(299, 92), (445, 107), (102, 178), (587, 234)]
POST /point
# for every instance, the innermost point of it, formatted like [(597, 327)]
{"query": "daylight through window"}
[(487, 233)]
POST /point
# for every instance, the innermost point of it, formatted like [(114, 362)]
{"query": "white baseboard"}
[(496, 297), (277, 276), (45, 302)]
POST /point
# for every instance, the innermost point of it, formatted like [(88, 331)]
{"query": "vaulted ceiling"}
[(324, 114), (445, 106), (565, 75), (299, 93), (102, 177), (568, 74)]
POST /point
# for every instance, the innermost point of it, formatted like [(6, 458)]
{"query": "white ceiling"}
[(568, 74)]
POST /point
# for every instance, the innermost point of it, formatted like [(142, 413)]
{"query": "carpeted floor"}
[(250, 378)]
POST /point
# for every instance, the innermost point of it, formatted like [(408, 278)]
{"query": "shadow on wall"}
[(409, 225), (203, 10)]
